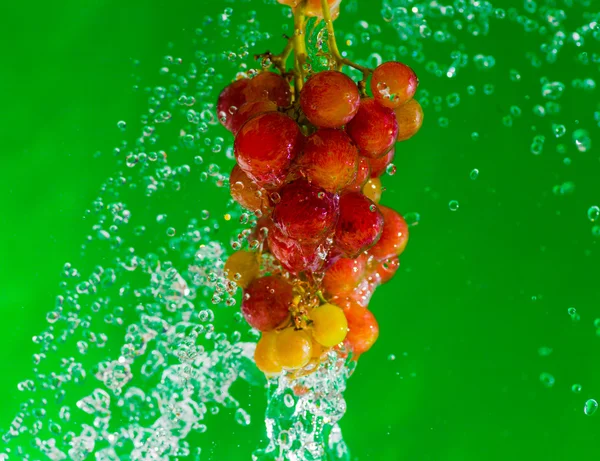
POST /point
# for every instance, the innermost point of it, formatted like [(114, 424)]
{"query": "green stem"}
[(334, 50), (299, 45)]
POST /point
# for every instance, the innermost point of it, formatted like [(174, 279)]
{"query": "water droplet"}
[(242, 417), (576, 388), (547, 380), (122, 125), (474, 174), (590, 407), (453, 205), (553, 90), (594, 213), (544, 351), (391, 357), (572, 311), (582, 140), (412, 218), (558, 130)]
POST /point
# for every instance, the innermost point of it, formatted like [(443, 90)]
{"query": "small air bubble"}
[(453, 205), (590, 407), (594, 213), (547, 380)]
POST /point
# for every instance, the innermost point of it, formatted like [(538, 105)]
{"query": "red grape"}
[(363, 329), (249, 110), (374, 128), (269, 86), (305, 212), (363, 173), (410, 119), (394, 236), (393, 84), (230, 100), (379, 165), (329, 99), (359, 226), (266, 302), (344, 275), (330, 159), (266, 146), (295, 256), (245, 191)]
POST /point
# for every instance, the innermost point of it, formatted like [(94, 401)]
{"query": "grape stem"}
[(279, 60), (335, 52), (299, 45)]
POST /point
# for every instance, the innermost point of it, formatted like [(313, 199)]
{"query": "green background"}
[(480, 289)]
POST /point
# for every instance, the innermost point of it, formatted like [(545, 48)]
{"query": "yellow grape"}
[(329, 325), (293, 348), (242, 267), (264, 355), (372, 189)]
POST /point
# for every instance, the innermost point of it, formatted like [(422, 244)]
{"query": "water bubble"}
[(474, 174), (572, 311), (593, 213), (576, 388), (547, 380), (412, 218), (544, 351), (582, 140), (453, 205), (558, 130), (122, 125), (453, 99), (242, 417), (590, 407), (391, 357), (553, 90)]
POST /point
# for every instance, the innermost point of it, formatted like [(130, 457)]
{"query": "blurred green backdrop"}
[(480, 290)]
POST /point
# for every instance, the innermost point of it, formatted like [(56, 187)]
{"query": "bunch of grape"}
[(309, 167)]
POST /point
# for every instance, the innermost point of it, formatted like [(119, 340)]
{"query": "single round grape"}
[(394, 236), (314, 8), (385, 270), (269, 86), (344, 275), (363, 329), (245, 191), (330, 159), (266, 146), (329, 325), (393, 84), (264, 354), (372, 189), (266, 302), (329, 99), (249, 110), (363, 173), (374, 129), (293, 348), (242, 267), (230, 100), (379, 165), (410, 119), (295, 256), (359, 226), (305, 213)]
